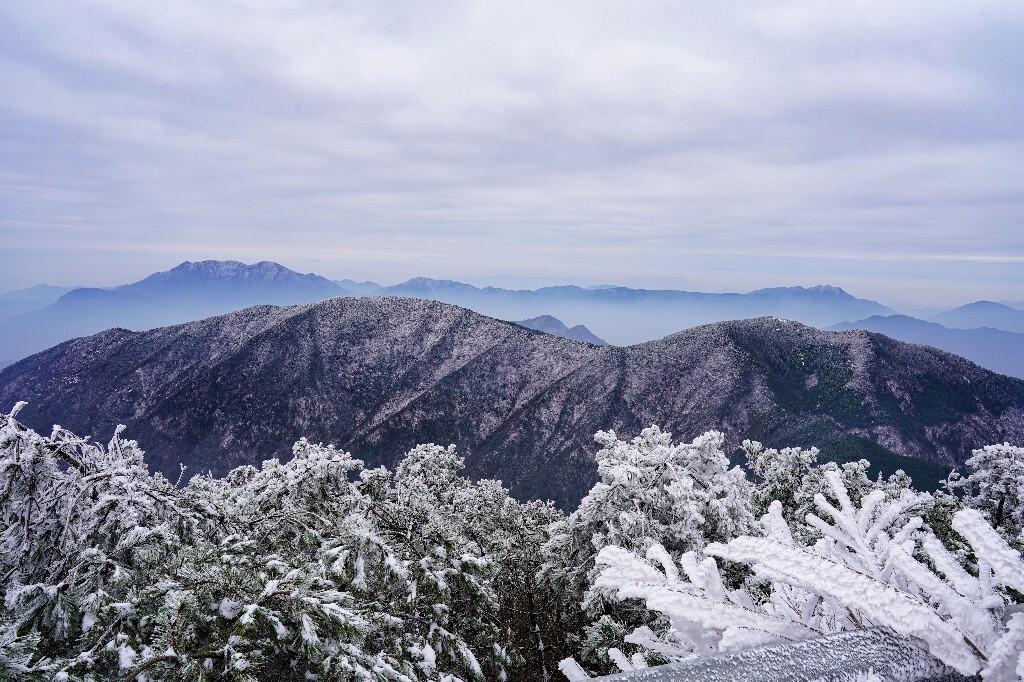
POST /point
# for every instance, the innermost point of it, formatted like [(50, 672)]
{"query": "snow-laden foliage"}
[(995, 487), (779, 475), (874, 565), (320, 569), (652, 491), (793, 478), (310, 569)]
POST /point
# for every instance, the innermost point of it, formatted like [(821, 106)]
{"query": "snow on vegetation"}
[(319, 568), (870, 560), (314, 569)]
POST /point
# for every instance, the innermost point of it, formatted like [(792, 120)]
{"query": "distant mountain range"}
[(377, 375), (37, 318), (983, 314), (552, 325), (359, 288), (993, 349), (189, 291), (626, 316), (23, 300)]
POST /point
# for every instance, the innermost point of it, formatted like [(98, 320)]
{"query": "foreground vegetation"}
[(321, 569)]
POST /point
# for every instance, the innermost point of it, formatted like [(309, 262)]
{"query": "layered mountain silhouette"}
[(189, 291), (359, 288), (626, 316), (378, 375), (41, 317), (993, 349), (24, 300), (983, 314), (553, 325)]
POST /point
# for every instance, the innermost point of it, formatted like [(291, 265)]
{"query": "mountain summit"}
[(378, 375), (232, 278), (983, 314), (189, 291), (553, 325)]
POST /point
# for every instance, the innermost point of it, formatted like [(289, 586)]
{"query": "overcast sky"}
[(877, 146)]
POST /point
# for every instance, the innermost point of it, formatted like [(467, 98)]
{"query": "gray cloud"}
[(743, 145)]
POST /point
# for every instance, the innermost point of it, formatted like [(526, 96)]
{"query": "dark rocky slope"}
[(378, 375)]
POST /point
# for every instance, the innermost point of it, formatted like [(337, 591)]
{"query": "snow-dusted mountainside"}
[(994, 349), (190, 291), (378, 375), (553, 325)]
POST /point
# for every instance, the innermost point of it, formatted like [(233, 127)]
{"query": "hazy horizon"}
[(512, 281), (702, 147)]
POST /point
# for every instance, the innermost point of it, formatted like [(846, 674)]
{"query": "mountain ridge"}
[(189, 291), (625, 316), (553, 325), (379, 375), (982, 314), (194, 290), (995, 349)]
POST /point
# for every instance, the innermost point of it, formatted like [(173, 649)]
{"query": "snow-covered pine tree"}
[(793, 478), (994, 486), (83, 528), (480, 519), (679, 496), (425, 513), (778, 476), (310, 569)]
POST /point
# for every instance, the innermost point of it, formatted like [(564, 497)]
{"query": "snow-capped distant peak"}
[(818, 290), (827, 289)]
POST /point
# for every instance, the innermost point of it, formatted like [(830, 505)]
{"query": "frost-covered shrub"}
[(873, 566), (793, 478), (310, 569), (652, 491), (779, 475), (995, 487)]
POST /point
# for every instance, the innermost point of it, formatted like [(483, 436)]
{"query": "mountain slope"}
[(553, 325), (983, 314), (189, 291), (23, 300), (626, 316), (378, 375), (993, 349), (193, 291)]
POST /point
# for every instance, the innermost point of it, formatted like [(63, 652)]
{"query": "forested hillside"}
[(379, 375)]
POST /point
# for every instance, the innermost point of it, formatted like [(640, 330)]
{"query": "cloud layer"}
[(748, 144)]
